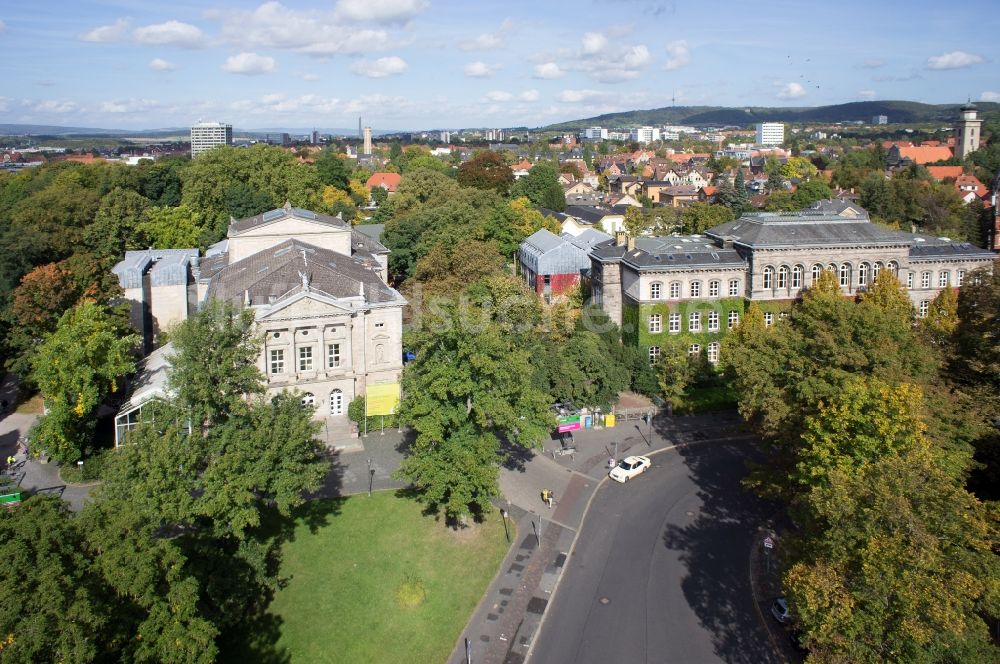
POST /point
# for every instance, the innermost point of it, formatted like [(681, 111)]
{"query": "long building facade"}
[(700, 285), (331, 325)]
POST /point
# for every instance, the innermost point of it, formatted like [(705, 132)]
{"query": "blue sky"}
[(420, 64)]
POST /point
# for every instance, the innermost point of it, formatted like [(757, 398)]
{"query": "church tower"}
[(967, 131)]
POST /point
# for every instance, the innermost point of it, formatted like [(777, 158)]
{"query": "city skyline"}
[(412, 64)]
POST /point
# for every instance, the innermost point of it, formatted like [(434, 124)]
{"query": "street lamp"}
[(506, 530), (371, 476)]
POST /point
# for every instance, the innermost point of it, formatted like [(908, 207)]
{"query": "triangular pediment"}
[(306, 305), (292, 226)]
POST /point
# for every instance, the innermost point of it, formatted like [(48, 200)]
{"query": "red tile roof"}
[(388, 181), (925, 155), (942, 172)]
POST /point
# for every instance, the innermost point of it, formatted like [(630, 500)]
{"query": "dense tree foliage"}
[(486, 170), (541, 186)]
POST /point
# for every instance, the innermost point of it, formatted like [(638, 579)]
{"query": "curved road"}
[(659, 571)]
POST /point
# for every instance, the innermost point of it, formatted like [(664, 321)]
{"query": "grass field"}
[(350, 578)]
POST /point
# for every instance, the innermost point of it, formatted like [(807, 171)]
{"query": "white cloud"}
[(53, 106), (480, 69), (954, 60), (320, 34), (636, 56), (107, 33), (380, 11), (792, 91), (172, 33), (129, 106), (576, 96), (990, 96), (310, 77), (529, 95), (3, 26), (498, 96), (548, 70), (489, 41), (593, 43), (867, 95), (380, 68), (249, 64), (677, 54), (873, 63), (4, 105), (159, 64)]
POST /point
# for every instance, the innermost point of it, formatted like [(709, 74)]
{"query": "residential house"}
[(388, 181), (971, 189), (680, 195), (918, 154)]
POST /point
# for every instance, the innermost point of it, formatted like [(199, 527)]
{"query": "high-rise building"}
[(595, 134), (967, 131), (644, 135), (770, 133), (880, 119), (368, 140), (207, 135), (445, 137), (315, 137)]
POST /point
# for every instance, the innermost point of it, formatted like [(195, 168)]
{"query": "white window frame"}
[(797, 276), (734, 287), (694, 288), (306, 358), (694, 350), (713, 352), (909, 279), (959, 277), (277, 360), (815, 273), (783, 276), (925, 307), (713, 288), (845, 275), (925, 279), (944, 278), (655, 323), (654, 354), (674, 323), (694, 321), (336, 402), (863, 274), (767, 281), (713, 321), (655, 290), (333, 359), (768, 319), (733, 319), (675, 290)]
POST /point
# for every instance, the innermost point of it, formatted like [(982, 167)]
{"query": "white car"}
[(629, 468)]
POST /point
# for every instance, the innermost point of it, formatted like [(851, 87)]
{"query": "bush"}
[(356, 413)]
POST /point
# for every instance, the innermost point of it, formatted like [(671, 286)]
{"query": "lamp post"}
[(506, 530), (371, 476), (79, 464)]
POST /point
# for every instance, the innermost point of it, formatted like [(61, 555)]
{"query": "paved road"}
[(659, 572)]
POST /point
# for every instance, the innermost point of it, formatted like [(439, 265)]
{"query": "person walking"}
[(547, 498)]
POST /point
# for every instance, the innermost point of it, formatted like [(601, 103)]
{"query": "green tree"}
[(172, 228), (486, 170), (55, 609), (332, 168), (541, 186), (76, 368), (699, 217), (469, 384), (674, 370), (214, 365), (116, 225)]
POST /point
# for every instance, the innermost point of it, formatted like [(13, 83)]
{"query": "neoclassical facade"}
[(699, 285), (331, 325)]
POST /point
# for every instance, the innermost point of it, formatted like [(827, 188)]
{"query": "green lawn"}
[(340, 603)]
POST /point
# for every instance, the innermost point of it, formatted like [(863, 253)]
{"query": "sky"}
[(427, 64)]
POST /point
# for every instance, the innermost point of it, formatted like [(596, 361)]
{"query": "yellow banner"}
[(382, 399)]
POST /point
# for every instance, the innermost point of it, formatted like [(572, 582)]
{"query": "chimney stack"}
[(620, 237), (631, 243)]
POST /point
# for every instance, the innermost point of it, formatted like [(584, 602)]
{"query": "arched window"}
[(308, 400), (863, 274), (832, 267), (675, 290), (694, 349), (768, 278), (336, 402), (893, 267), (845, 275), (797, 276), (713, 352), (655, 290), (713, 288), (876, 268), (783, 276), (817, 270)]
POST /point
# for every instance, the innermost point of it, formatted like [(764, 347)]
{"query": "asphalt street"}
[(660, 570)]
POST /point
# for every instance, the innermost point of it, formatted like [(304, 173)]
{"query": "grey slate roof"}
[(587, 239), (805, 228), (238, 226), (935, 248), (166, 267), (661, 253), (363, 241), (374, 231), (276, 273)]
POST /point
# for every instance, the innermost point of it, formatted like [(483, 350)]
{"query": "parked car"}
[(629, 468), (779, 609)]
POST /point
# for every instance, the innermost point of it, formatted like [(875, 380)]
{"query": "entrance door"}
[(336, 402)]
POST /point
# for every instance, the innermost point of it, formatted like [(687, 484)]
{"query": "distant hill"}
[(907, 112), (53, 130)]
